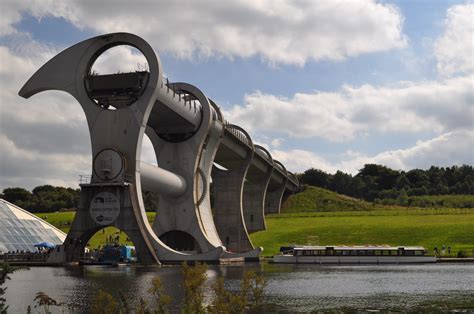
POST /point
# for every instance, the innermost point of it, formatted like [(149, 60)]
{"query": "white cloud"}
[(120, 59), (452, 148), (276, 143), (340, 116), (455, 49), (44, 140), (281, 32)]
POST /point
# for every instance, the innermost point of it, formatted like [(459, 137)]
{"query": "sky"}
[(324, 84)]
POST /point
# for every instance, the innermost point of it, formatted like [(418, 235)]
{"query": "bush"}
[(462, 254)]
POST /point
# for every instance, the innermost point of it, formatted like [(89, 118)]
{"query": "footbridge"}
[(199, 155)]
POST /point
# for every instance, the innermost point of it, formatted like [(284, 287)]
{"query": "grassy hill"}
[(320, 216), (440, 201), (314, 199), (426, 230), (321, 200)]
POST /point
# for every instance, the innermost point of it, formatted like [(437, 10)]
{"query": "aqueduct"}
[(189, 135)]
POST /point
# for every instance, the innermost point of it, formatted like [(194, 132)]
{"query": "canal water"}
[(290, 289)]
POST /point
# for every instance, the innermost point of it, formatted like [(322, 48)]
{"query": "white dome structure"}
[(21, 230)]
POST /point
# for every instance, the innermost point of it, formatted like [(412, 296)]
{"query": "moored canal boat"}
[(353, 255)]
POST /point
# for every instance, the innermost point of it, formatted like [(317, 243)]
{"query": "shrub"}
[(104, 303), (462, 254)]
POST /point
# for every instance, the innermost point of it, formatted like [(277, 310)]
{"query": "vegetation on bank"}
[(429, 231), (331, 218), (379, 182), (63, 220), (249, 298), (320, 216), (440, 187), (48, 198), (5, 270), (323, 200)]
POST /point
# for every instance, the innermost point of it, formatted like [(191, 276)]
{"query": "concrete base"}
[(254, 200), (85, 225), (228, 214)]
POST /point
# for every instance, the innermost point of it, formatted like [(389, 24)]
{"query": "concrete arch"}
[(275, 190), (228, 189), (255, 190)]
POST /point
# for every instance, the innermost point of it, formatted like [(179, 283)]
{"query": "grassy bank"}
[(429, 231), (321, 200), (63, 220), (337, 219)]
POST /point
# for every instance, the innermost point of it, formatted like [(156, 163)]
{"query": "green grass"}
[(337, 219), (318, 199), (426, 230), (63, 220), (457, 201)]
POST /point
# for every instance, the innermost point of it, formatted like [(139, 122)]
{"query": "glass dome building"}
[(21, 230)]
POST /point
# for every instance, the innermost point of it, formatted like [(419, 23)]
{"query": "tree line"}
[(48, 198), (375, 183)]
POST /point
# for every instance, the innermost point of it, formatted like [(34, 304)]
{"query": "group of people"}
[(21, 255), (443, 250)]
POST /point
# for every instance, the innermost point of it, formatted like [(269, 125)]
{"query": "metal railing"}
[(238, 134), (87, 179)]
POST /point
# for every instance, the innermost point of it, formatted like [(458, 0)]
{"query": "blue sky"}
[(329, 84)]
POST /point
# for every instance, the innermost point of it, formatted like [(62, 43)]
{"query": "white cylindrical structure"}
[(155, 179)]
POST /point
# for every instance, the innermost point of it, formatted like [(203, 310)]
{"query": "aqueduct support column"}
[(187, 217), (254, 198), (275, 192), (228, 212)]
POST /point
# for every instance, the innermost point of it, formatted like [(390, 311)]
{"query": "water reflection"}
[(290, 288)]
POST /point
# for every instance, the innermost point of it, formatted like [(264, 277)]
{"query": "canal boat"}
[(353, 255)]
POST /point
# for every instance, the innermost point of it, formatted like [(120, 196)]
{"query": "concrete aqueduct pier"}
[(189, 135)]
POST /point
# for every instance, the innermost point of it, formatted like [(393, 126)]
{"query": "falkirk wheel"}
[(189, 135)]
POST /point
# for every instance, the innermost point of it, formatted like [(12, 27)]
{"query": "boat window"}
[(353, 252), (393, 252), (362, 252), (299, 253), (385, 252), (345, 252), (378, 252), (370, 252), (409, 253), (419, 252), (329, 252)]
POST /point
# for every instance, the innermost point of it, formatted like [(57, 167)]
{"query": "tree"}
[(315, 177), (341, 182), (194, 279), (161, 299), (104, 303), (402, 198), (5, 270), (14, 195), (45, 301)]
